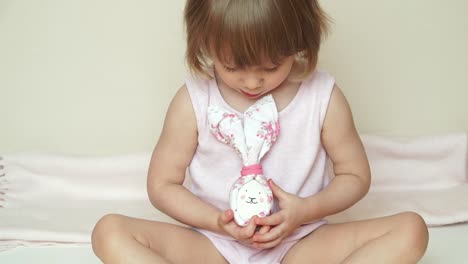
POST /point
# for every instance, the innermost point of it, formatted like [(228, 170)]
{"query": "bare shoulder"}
[(338, 114), (181, 106), (341, 139), (177, 142)]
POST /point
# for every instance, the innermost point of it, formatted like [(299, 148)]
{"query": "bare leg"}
[(400, 238), (122, 239)]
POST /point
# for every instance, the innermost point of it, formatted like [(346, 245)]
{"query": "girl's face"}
[(256, 81)]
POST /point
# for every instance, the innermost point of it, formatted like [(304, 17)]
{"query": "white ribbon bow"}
[(250, 195)]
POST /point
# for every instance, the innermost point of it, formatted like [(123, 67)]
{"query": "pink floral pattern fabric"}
[(250, 195)]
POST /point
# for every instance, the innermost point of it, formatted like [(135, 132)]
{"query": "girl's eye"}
[(229, 69), (271, 69)]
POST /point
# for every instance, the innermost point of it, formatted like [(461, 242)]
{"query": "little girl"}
[(241, 51)]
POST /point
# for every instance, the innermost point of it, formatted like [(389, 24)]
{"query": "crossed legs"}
[(121, 239), (400, 238)]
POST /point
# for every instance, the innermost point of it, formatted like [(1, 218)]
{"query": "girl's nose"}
[(253, 82)]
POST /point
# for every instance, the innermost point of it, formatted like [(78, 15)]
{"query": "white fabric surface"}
[(426, 174), (50, 198)]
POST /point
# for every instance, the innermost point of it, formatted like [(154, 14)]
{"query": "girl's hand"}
[(288, 219), (243, 234)]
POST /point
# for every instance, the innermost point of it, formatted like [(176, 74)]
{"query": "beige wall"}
[(95, 77), (402, 64)]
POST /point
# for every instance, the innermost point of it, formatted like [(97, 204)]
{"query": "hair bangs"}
[(245, 33), (252, 32)]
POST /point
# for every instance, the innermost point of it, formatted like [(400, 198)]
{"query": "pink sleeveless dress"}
[(297, 162)]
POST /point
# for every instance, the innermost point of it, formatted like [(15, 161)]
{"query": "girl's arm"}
[(171, 157), (343, 145), (351, 167), (168, 165)]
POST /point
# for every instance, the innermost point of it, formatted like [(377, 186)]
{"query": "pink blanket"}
[(56, 199)]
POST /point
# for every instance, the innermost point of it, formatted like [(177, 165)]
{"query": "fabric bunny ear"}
[(252, 139), (227, 128), (261, 129)]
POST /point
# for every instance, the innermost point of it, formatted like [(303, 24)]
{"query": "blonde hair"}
[(245, 32)]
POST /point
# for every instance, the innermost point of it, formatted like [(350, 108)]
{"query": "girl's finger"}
[(227, 216), (249, 230), (267, 245), (264, 229), (272, 220), (274, 234), (277, 191)]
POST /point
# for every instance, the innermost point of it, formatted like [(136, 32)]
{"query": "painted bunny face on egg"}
[(252, 199)]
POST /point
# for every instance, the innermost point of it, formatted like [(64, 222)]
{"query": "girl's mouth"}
[(250, 95)]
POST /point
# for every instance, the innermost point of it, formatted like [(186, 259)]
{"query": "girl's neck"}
[(283, 95)]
